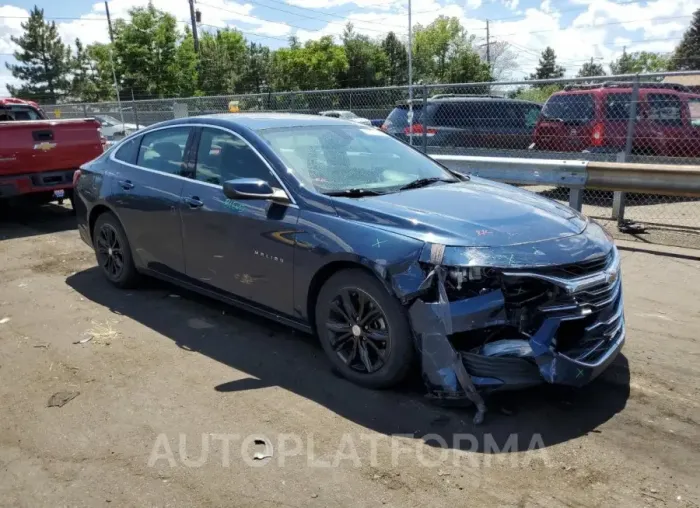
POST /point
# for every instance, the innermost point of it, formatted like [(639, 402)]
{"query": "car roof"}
[(260, 121), (476, 98)]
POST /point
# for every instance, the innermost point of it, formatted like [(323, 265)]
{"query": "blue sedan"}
[(340, 230)]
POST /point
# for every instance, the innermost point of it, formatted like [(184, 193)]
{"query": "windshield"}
[(109, 120), (332, 159)]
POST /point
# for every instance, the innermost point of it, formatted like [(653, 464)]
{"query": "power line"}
[(593, 25)]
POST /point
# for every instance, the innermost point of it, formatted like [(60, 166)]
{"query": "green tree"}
[(396, 72), (548, 67), (638, 62), (591, 69), (315, 66), (536, 94), (367, 62), (186, 66), (44, 62), (222, 61), (92, 73), (145, 49), (686, 57), (444, 51), (256, 73)]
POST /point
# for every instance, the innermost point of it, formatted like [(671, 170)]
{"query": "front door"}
[(244, 247), (147, 186)]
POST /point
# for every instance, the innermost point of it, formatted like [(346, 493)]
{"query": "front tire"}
[(113, 252), (364, 330)]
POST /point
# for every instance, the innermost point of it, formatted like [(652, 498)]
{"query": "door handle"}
[(194, 202), (126, 184)]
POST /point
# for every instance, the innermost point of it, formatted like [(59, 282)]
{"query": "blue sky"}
[(577, 29)]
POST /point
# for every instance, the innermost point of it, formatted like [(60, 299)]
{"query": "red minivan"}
[(594, 118)]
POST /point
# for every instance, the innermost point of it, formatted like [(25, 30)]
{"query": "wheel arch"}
[(325, 272), (95, 212)]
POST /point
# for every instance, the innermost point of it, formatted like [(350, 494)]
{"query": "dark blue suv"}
[(338, 229)]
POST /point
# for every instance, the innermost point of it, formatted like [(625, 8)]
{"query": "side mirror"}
[(253, 188)]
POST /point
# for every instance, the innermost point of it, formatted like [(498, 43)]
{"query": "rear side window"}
[(164, 150), (18, 113), (664, 109), (128, 150), (459, 114), (573, 108), (694, 107), (617, 106), (398, 118)]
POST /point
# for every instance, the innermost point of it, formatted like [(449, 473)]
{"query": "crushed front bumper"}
[(578, 332)]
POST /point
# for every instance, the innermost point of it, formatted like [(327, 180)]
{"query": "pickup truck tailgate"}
[(46, 145)]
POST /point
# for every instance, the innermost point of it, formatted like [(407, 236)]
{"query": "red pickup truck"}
[(39, 156)]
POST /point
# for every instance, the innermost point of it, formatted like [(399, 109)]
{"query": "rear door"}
[(665, 117), (694, 118), (566, 123), (149, 174)]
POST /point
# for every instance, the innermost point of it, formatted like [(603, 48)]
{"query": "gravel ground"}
[(174, 390)]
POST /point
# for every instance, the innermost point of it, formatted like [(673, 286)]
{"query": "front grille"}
[(587, 299), (579, 269)]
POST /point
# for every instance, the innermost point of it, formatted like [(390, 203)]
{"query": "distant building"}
[(692, 82)]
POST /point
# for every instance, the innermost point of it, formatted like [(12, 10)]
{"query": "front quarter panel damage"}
[(524, 360)]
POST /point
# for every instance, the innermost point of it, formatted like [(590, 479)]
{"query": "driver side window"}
[(222, 156)]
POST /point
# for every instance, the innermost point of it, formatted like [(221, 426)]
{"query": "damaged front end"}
[(485, 321)]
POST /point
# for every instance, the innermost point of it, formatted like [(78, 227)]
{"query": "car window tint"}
[(574, 108), (127, 150), (694, 107), (664, 109), (457, 114), (531, 113), (398, 118), (163, 150), (18, 113), (222, 156)]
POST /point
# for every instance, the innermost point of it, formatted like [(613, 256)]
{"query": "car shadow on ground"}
[(274, 356), (21, 221)]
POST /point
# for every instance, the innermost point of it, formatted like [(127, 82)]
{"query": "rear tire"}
[(364, 330), (113, 252)]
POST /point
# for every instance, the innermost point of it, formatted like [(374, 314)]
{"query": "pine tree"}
[(397, 60), (687, 54), (590, 69), (44, 61), (548, 67)]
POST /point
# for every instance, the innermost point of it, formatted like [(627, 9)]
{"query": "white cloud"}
[(217, 13), (328, 4), (10, 25)]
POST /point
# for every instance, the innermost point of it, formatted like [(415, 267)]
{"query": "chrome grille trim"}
[(578, 284)]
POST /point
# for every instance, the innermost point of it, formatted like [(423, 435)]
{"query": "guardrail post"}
[(576, 198), (424, 118), (618, 210)]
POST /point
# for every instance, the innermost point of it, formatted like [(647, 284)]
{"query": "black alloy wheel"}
[(358, 330), (364, 330), (113, 251), (110, 255)]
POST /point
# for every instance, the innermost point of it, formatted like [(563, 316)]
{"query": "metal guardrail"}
[(670, 180)]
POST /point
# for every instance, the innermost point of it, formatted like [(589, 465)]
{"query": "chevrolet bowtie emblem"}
[(45, 146)]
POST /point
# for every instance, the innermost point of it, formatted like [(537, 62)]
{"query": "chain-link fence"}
[(652, 118)]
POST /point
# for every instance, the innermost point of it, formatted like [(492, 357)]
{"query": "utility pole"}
[(193, 18), (109, 23), (488, 44), (111, 61), (410, 76)]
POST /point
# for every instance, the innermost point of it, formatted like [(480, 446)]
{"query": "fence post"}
[(85, 115), (618, 211), (576, 198), (424, 117), (133, 106)]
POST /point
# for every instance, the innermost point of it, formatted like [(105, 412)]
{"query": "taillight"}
[(417, 130), (76, 176), (598, 135)]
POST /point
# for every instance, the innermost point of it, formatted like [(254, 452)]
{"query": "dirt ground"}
[(175, 389)]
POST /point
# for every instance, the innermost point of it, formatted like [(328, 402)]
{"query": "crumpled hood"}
[(477, 213)]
